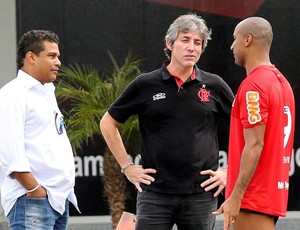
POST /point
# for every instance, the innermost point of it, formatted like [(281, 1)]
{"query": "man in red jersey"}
[(261, 134)]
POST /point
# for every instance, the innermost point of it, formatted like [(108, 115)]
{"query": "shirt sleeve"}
[(127, 103), (12, 122), (253, 102), (226, 100)]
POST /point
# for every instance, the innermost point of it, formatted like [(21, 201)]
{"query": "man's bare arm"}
[(135, 174)]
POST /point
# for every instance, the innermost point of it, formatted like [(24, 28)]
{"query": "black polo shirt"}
[(178, 125)]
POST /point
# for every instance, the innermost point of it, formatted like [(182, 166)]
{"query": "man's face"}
[(47, 63), (238, 48), (186, 49)]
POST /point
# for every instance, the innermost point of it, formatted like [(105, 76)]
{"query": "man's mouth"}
[(189, 56), (55, 70)]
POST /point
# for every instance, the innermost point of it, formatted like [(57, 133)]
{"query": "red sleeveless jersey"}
[(264, 97)]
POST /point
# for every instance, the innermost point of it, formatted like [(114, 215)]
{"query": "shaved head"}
[(260, 29)]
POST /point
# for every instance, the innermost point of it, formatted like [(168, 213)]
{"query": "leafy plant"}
[(86, 96)]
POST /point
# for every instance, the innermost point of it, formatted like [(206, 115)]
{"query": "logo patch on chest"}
[(204, 94), (159, 96)]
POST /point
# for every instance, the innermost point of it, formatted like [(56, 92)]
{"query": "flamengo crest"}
[(204, 94)]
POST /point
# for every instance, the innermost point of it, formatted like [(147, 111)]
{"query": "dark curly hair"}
[(33, 41)]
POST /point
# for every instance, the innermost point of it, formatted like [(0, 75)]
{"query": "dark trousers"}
[(159, 211)]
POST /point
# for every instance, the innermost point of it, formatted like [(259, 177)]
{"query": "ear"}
[(30, 57), (248, 40), (169, 44)]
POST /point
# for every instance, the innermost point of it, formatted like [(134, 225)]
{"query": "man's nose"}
[(58, 62), (191, 46)]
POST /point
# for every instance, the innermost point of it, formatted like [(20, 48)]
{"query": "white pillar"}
[(8, 66)]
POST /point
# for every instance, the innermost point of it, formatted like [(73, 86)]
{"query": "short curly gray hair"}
[(186, 23)]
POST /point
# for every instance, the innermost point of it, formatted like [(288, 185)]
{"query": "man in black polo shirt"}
[(178, 107)]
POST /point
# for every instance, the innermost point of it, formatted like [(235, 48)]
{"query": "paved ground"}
[(291, 222)]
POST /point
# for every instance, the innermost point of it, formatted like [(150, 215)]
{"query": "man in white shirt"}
[(37, 166)]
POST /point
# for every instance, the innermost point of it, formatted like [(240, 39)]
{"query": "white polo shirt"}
[(32, 140)]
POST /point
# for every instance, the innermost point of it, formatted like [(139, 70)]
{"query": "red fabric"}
[(260, 100), (229, 8), (178, 80)]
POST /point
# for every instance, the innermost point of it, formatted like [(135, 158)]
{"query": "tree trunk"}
[(115, 187)]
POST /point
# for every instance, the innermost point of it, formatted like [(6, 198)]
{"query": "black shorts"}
[(255, 212)]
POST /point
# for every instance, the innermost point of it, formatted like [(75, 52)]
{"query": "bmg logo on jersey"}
[(252, 100)]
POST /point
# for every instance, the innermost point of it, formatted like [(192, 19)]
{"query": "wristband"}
[(126, 166), (32, 190)]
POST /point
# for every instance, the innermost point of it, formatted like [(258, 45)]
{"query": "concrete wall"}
[(7, 46), (7, 41)]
